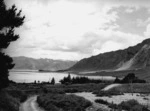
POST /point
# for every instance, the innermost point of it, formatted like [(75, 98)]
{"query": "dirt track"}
[(110, 87), (30, 105)]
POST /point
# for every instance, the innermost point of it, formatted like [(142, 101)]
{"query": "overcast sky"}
[(75, 29)]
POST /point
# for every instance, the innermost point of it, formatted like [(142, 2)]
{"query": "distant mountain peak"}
[(22, 62)]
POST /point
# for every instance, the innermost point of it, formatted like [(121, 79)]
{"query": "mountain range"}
[(41, 64), (135, 59), (132, 58)]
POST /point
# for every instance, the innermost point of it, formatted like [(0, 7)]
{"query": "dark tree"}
[(9, 20), (69, 78), (53, 81), (35, 82), (78, 80), (66, 80), (129, 78), (117, 80)]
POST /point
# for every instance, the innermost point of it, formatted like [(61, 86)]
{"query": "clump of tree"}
[(66, 80), (78, 80), (130, 78), (9, 20)]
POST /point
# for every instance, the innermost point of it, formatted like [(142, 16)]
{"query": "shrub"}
[(8, 103), (20, 95), (62, 102), (106, 93), (132, 105), (102, 101)]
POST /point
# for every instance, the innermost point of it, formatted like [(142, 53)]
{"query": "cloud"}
[(66, 29), (143, 23), (130, 10), (147, 32)]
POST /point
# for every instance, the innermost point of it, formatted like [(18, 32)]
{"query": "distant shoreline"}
[(22, 70)]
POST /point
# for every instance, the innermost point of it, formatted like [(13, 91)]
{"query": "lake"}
[(28, 76)]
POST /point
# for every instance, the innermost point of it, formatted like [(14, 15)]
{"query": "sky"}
[(77, 29)]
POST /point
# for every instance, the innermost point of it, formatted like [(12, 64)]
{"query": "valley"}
[(129, 65)]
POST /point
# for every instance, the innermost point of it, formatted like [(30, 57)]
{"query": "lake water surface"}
[(31, 76)]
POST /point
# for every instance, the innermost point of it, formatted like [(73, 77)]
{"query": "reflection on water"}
[(31, 76)]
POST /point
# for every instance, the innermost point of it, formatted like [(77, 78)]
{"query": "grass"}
[(130, 105), (73, 88), (47, 88), (133, 88), (46, 91), (125, 88), (62, 102), (16, 93)]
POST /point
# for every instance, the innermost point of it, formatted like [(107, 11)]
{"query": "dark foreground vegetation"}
[(12, 96), (16, 93), (130, 105), (10, 100), (10, 18), (62, 102)]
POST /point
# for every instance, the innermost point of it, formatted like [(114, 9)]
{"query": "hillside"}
[(134, 57), (43, 64)]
